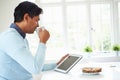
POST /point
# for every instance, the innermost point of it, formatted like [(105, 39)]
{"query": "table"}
[(110, 71)]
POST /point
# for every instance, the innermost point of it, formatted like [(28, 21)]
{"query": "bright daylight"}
[(60, 39)]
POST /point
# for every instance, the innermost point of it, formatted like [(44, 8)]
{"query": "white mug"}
[(37, 30)]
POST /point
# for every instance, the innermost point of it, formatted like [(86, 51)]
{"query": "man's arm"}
[(14, 46), (51, 66)]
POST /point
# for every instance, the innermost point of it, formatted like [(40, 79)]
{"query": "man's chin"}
[(31, 32)]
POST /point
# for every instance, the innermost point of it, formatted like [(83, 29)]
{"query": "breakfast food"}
[(91, 69)]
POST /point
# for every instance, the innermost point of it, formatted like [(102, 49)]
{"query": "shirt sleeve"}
[(49, 66), (14, 46)]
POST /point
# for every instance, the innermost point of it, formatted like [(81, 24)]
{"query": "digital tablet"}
[(68, 63)]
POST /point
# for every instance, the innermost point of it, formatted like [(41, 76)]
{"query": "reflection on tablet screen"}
[(68, 62)]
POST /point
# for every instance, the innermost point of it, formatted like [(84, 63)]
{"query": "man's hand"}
[(43, 35), (62, 58)]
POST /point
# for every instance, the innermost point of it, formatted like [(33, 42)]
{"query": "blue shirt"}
[(18, 30), (16, 60)]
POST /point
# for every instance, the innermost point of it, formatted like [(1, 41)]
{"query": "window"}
[(74, 0), (50, 1), (74, 24), (77, 27), (52, 20), (29, 0), (101, 27), (119, 22)]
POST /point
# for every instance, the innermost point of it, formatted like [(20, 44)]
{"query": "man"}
[(16, 60)]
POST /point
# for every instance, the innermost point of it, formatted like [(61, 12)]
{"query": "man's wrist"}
[(42, 43)]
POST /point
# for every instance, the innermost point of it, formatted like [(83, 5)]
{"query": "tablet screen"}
[(68, 62)]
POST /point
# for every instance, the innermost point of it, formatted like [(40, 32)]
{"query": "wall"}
[(6, 13)]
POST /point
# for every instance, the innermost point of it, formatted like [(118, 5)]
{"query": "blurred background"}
[(73, 25)]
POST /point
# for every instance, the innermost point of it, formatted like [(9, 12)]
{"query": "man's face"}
[(32, 24)]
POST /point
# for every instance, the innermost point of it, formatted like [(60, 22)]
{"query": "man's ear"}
[(26, 17)]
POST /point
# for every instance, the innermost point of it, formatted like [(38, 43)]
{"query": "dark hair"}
[(26, 7)]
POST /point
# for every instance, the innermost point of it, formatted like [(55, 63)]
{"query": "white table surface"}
[(110, 71)]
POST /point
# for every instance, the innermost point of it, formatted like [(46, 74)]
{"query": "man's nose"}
[(37, 24)]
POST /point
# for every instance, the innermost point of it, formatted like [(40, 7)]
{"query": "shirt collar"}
[(18, 30)]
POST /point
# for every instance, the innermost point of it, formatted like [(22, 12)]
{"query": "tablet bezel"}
[(66, 71)]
